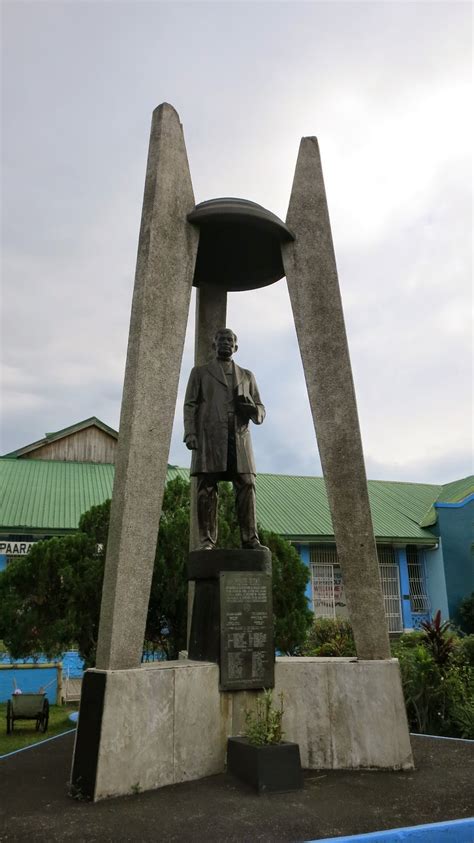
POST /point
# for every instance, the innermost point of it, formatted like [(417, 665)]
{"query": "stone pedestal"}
[(167, 722), (204, 568)]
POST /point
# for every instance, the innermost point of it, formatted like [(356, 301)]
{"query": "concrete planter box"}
[(273, 768)]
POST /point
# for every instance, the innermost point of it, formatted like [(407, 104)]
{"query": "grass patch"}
[(24, 732)]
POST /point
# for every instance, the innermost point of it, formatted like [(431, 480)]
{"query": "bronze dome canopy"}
[(239, 244)]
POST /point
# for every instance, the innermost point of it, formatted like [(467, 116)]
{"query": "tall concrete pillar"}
[(211, 314), (165, 266), (311, 273)]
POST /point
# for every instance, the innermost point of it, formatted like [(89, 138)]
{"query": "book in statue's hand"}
[(242, 395), (244, 403)]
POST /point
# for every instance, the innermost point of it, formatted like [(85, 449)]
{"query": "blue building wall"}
[(455, 528), (436, 581), (401, 558), (3, 561)]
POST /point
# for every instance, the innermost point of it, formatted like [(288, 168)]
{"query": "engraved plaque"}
[(247, 649)]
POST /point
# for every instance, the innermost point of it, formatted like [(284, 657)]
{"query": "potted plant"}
[(260, 757)]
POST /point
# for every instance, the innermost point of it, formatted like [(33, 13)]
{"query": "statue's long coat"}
[(205, 416)]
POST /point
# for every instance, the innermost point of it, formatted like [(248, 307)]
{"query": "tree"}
[(95, 523), (292, 617), (50, 599), (168, 606), (466, 614)]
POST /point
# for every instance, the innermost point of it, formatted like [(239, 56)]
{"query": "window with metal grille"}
[(390, 581), (391, 595), (323, 560), (386, 554), (419, 600)]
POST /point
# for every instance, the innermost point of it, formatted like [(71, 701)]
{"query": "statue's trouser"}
[(207, 492)]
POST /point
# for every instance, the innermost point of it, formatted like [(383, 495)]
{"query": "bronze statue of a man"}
[(221, 399)]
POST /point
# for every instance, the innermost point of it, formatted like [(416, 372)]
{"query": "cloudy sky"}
[(386, 88)]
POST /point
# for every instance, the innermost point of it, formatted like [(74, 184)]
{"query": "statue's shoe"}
[(253, 545)]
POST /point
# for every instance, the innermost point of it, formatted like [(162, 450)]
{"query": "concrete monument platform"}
[(167, 722), (142, 727)]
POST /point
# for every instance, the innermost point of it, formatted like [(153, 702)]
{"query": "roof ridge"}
[(406, 483), (459, 480), (460, 490), (293, 476), (80, 424), (9, 459), (48, 438)]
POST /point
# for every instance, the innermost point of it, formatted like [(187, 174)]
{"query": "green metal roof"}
[(456, 491), (50, 496), (449, 493), (293, 506), (298, 507), (174, 471)]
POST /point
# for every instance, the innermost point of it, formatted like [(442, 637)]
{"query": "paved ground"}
[(35, 804)]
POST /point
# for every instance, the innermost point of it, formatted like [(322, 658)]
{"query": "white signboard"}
[(15, 548)]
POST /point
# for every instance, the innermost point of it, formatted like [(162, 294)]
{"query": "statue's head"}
[(225, 343)]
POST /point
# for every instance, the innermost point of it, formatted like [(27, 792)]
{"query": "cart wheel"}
[(45, 717), (9, 718)]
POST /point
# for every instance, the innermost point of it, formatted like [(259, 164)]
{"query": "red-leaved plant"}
[(437, 639)]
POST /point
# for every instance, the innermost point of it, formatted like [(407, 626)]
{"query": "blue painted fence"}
[(31, 679)]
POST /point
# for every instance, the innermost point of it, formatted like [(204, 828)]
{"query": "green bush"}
[(463, 717), (438, 680), (408, 640), (464, 650), (466, 614), (436, 700), (421, 687), (330, 637)]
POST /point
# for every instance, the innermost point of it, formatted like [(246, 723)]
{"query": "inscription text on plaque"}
[(247, 650)]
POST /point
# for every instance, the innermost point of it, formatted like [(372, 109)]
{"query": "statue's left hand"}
[(191, 442), (246, 406), (246, 401)]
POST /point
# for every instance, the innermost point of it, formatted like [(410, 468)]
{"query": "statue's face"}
[(225, 344)]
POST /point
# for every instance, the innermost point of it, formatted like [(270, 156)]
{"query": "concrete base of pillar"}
[(167, 722)]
